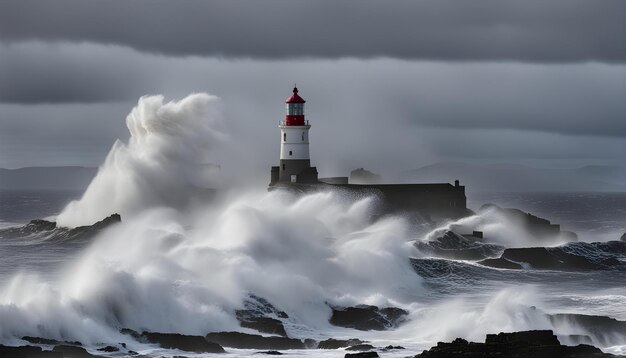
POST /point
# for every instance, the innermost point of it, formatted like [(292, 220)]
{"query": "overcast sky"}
[(414, 82)]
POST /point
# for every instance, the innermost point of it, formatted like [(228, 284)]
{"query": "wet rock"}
[(189, 343), (197, 344), (254, 341), (604, 330), (55, 233), (262, 316), (362, 355), (512, 345), (338, 343), (576, 256), (72, 351), (460, 247), (391, 348), (271, 353), (265, 325), (109, 349), (365, 317), (39, 340), (361, 347), (575, 339), (27, 352), (136, 335), (540, 228)]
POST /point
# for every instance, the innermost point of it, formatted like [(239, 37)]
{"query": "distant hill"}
[(46, 178), (512, 178)]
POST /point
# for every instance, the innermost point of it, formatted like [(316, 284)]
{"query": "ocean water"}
[(486, 299), (184, 262)]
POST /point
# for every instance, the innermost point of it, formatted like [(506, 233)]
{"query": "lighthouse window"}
[(303, 136), (283, 166), (290, 153), (284, 137)]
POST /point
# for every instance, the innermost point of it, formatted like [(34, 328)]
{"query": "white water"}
[(183, 263)]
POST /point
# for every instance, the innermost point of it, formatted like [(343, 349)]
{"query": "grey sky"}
[(531, 82), (529, 30)]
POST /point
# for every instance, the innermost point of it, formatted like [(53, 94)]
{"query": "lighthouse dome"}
[(295, 98)]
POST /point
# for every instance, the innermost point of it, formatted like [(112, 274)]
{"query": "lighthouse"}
[(295, 161)]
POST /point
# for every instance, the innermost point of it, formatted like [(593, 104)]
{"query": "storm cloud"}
[(480, 30), (413, 82)]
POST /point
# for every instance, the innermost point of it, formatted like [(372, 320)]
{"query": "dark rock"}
[(39, 340), (72, 351), (197, 344), (254, 341), (310, 343), (255, 306), (362, 355), (108, 349), (391, 348), (460, 247), (575, 256), (623, 237), (27, 352), (526, 344), (136, 335), (271, 353), (541, 229), (265, 325), (260, 315), (360, 347), (604, 330), (338, 343), (365, 318), (575, 339), (59, 234)]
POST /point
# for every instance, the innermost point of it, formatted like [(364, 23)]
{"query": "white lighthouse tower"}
[(295, 162)]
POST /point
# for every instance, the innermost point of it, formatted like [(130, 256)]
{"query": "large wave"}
[(166, 162), (172, 267)]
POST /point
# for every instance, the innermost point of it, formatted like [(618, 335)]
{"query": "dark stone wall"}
[(289, 167), (301, 168), (430, 200)]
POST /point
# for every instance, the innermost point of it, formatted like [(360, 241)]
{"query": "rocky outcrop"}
[(254, 341), (338, 343), (56, 233), (262, 316), (27, 352), (69, 351), (539, 228), (460, 247), (623, 237), (525, 344), (366, 318), (48, 341), (577, 256), (196, 344), (361, 347), (362, 355), (603, 330)]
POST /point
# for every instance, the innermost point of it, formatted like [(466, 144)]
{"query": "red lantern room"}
[(295, 109)]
